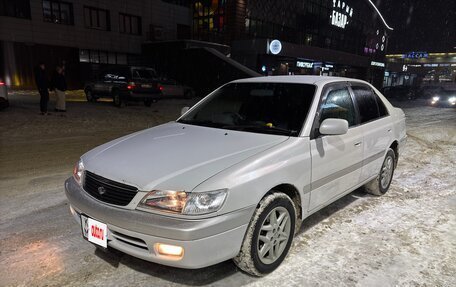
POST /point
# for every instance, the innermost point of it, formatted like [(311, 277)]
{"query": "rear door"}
[(336, 159), (377, 128)]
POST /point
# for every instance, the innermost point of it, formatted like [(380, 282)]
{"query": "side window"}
[(338, 104), (367, 103)]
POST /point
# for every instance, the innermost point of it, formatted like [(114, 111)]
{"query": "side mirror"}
[(184, 110), (334, 127)]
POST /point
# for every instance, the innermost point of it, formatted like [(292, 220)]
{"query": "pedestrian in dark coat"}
[(42, 85)]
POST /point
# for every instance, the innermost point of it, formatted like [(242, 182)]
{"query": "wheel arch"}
[(395, 147), (293, 193)]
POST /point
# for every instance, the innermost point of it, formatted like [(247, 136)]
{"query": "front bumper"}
[(205, 241)]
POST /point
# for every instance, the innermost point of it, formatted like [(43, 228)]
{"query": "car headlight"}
[(78, 172), (188, 203), (452, 100), (435, 99)]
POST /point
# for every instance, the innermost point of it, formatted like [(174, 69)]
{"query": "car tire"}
[(261, 230), (382, 182), (148, 102), (90, 96), (118, 99)]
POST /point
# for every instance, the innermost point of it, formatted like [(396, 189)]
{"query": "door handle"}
[(358, 144)]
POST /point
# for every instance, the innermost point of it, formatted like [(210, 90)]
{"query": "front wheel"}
[(90, 96), (269, 235), (117, 99), (381, 183)]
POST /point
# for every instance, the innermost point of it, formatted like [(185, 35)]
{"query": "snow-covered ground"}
[(404, 238)]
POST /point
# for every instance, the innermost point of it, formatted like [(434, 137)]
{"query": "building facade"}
[(82, 34), (324, 37)]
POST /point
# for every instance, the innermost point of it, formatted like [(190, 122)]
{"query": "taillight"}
[(2, 83), (160, 88), (131, 85)]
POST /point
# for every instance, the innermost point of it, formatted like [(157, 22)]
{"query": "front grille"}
[(107, 190)]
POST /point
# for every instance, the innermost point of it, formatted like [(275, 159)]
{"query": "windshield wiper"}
[(262, 128)]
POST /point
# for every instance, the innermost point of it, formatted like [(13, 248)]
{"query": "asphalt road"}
[(407, 237)]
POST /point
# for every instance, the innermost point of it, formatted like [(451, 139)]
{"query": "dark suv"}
[(124, 84)]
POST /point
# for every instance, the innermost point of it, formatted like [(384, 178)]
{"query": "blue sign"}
[(416, 55)]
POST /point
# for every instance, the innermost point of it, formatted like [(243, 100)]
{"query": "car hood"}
[(174, 156)]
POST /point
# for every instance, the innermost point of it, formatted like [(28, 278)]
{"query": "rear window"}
[(143, 73)]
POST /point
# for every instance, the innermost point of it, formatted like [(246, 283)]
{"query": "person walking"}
[(59, 86), (43, 85)]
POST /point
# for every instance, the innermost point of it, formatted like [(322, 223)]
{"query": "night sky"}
[(420, 25)]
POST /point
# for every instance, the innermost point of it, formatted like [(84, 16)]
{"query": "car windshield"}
[(269, 108), (144, 73)]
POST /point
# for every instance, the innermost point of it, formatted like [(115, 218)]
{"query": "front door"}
[(336, 159)]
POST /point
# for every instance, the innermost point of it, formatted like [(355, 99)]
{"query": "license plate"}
[(94, 231), (147, 86)]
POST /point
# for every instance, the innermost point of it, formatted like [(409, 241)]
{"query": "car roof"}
[(313, 80)]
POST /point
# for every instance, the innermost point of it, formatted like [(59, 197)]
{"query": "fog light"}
[(172, 251)]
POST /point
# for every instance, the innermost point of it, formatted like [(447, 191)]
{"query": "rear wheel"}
[(90, 96), (269, 235), (382, 182)]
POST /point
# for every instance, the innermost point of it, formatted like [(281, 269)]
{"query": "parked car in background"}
[(237, 173), (4, 103), (171, 88), (443, 98), (124, 84)]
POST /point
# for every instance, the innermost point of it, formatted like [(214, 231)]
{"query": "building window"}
[(58, 12), (15, 8), (95, 18), (84, 56), (185, 3), (102, 57), (130, 24), (209, 19)]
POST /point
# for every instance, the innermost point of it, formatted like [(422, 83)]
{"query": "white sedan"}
[(237, 173)]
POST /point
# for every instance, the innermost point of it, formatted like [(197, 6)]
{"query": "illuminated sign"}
[(302, 64), (275, 47), (430, 65), (416, 55), (377, 64), (329, 66), (341, 14)]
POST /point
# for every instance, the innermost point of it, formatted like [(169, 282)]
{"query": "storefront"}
[(420, 68), (292, 59)]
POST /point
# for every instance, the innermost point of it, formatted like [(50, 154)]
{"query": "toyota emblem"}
[(101, 190)]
